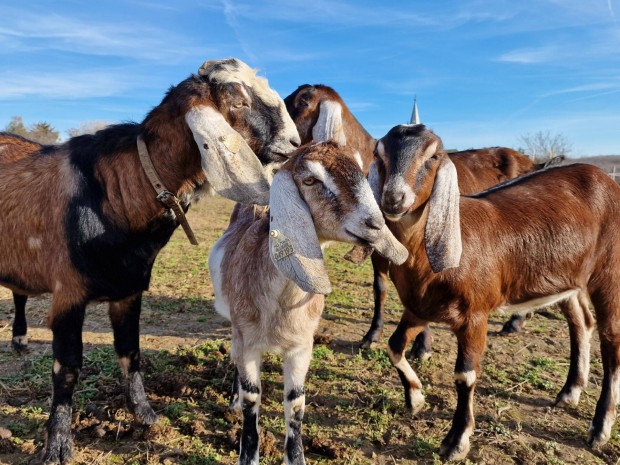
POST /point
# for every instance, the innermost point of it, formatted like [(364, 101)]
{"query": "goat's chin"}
[(394, 217)]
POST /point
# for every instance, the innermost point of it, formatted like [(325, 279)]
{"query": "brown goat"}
[(13, 148), (550, 236), (93, 226), (320, 114)]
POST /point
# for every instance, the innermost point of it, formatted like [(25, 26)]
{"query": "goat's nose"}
[(295, 141), (393, 199), (374, 223)]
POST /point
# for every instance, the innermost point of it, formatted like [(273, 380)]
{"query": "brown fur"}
[(303, 105), (552, 231)]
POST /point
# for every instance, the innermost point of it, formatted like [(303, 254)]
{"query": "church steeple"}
[(415, 116)]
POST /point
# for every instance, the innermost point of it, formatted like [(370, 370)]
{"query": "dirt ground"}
[(354, 413)]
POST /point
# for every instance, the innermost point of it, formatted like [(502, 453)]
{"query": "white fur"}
[(467, 377), (319, 172), (358, 159), (329, 123), (222, 306), (230, 165), (542, 301)]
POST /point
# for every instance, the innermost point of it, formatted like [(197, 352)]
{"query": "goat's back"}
[(14, 147), (479, 169)]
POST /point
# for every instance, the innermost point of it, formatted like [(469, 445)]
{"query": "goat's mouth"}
[(394, 217), (358, 239)]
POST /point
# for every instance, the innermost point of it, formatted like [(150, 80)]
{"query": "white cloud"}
[(23, 31), (531, 55), (61, 85)]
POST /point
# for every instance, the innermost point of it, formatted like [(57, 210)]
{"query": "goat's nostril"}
[(295, 142), (374, 223)]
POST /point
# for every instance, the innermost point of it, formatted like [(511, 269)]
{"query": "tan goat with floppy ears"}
[(270, 278)]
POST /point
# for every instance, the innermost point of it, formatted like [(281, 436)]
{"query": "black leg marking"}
[(234, 392), (294, 447), (67, 349), (20, 325), (125, 318), (379, 286), (421, 349), (249, 434)]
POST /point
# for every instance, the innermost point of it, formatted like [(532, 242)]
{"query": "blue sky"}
[(484, 72)]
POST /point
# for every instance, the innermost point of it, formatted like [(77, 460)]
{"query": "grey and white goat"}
[(270, 279)]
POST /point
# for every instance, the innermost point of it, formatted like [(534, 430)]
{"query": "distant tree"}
[(41, 132), (544, 146), (16, 126), (87, 127)]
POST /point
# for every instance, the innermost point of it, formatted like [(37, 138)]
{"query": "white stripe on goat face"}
[(320, 173)]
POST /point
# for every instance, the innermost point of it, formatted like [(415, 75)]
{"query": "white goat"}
[(270, 279)]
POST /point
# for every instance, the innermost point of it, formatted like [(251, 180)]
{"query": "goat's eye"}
[(435, 157), (238, 105), (310, 181)]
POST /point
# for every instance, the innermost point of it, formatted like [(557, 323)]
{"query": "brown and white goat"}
[(93, 225), (320, 114), (269, 276), (551, 236)]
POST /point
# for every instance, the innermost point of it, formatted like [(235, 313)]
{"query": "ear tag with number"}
[(281, 246)]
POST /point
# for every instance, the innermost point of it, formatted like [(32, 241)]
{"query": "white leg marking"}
[(467, 377)]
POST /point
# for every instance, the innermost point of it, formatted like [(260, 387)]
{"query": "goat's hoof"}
[(596, 440), (365, 344), (416, 401), (566, 399), (455, 452), (59, 450), (421, 355), (144, 414), (20, 344)]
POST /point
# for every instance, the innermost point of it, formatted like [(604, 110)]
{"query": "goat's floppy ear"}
[(442, 236), (231, 167), (293, 244), (329, 124)]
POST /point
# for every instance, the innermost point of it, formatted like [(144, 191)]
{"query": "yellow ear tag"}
[(232, 142), (281, 246)]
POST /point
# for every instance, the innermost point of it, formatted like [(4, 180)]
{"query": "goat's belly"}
[(222, 306), (540, 302)]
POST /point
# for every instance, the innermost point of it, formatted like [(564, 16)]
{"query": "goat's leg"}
[(421, 349), (580, 324), (471, 340), (380, 267), (66, 323), (20, 325), (125, 318), (517, 321), (248, 363), (408, 328), (235, 402), (607, 307), (295, 368)]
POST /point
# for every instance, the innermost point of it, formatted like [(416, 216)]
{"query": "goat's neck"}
[(131, 199), (174, 153), (410, 230)]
